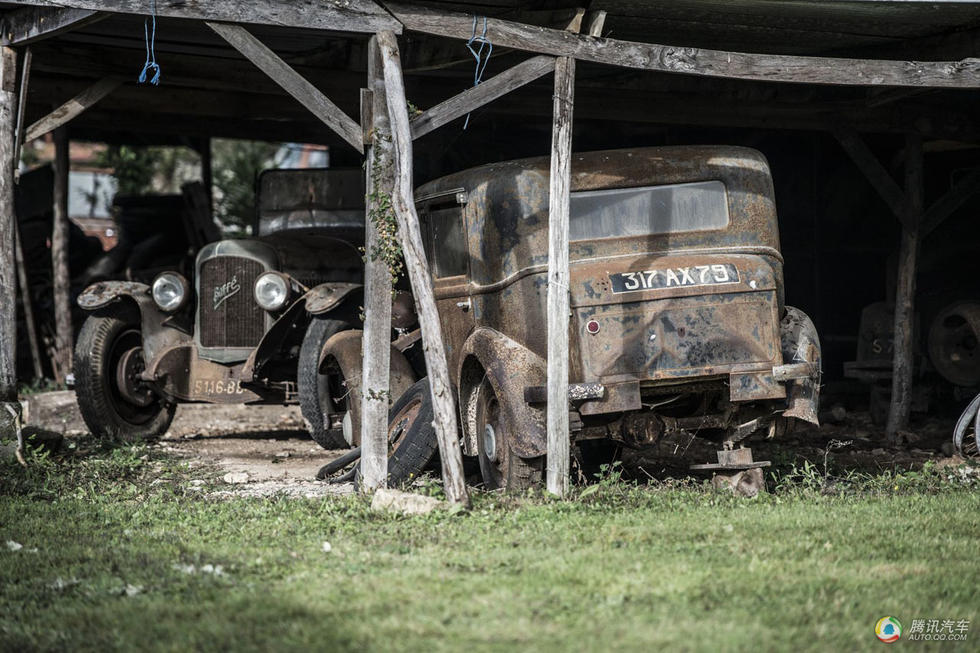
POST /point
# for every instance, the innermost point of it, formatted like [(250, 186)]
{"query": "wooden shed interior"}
[(840, 137)]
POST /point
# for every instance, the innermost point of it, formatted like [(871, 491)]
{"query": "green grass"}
[(676, 567)]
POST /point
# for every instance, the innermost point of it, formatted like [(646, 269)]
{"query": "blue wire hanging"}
[(150, 35), (481, 62)]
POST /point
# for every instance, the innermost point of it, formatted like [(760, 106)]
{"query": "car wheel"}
[(411, 434), (500, 467), (316, 398), (114, 402)]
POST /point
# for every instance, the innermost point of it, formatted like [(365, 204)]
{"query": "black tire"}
[(313, 387), (108, 339), (411, 435), (501, 468)]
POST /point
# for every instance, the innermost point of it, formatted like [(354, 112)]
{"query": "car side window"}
[(445, 240)]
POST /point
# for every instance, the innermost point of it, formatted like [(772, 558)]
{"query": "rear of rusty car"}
[(676, 291)]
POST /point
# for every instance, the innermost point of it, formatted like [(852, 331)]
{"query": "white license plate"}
[(695, 275)]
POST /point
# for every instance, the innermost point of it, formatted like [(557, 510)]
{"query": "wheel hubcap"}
[(131, 386), (490, 442)]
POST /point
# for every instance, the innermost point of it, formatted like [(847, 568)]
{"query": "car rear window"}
[(650, 210)]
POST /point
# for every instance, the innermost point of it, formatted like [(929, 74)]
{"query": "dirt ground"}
[(257, 450), (265, 450)]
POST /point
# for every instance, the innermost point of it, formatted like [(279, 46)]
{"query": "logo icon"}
[(226, 290), (888, 629)]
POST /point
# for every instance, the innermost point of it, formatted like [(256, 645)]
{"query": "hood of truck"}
[(663, 317)]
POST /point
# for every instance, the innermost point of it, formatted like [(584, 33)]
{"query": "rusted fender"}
[(801, 344), (510, 368), (157, 335), (326, 296), (104, 293), (345, 349)]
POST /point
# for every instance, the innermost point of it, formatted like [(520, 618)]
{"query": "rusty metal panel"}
[(619, 397), (755, 386)]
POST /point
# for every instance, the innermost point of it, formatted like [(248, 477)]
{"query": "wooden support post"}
[(558, 201), (8, 279), (25, 78), (902, 365), (61, 282), (443, 403), (376, 359), (27, 302)]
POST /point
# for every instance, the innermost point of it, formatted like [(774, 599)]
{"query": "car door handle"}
[(464, 305)]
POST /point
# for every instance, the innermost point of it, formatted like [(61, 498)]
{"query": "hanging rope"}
[(481, 62), (150, 35)]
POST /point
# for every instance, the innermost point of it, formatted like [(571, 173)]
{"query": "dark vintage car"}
[(677, 315), (248, 328)]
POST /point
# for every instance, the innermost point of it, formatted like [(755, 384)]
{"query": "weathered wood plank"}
[(875, 173), (25, 83), (72, 108), (485, 92), (8, 279), (27, 303), (954, 198), (376, 360), (443, 402), (695, 61), (292, 82), (558, 300), (61, 283), (24, 26), (336, 15), (904, 352)]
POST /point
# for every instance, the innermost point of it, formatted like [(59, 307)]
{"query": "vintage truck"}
[(677, 315), (248, 328)]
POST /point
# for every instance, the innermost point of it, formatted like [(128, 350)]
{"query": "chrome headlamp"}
[(271, 291), (170, 291)]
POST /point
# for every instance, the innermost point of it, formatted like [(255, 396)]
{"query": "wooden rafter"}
[(695, 61), (346, 16), (72, 108), (31, 24), (292, 82), (477, 96)]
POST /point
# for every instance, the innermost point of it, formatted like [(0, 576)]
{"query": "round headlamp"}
[(271, 291), (170, 291)]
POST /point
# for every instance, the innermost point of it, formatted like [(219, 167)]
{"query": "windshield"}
[(651, 210), (301, 199)]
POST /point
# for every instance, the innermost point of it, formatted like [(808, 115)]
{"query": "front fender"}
[(801, 344), (157, 336), (510, 368), (326, 296)]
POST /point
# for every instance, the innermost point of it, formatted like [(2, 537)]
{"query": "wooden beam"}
[(346, 16), (558, 300), (61, 283), (8, 221), (443, 402), (376, 344), (485, 92), (25, 79), (904, 350), (72, 108), (292, 82), (954, 198), (27, 303), (24, 26), (695, 61), (875, 173)]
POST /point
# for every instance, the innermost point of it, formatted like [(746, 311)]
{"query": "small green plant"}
[(382, 213)]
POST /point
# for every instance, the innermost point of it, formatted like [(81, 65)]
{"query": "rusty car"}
[(248, 328), (678, 321)]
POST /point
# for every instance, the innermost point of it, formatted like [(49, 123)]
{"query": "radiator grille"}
[(229, 316)]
